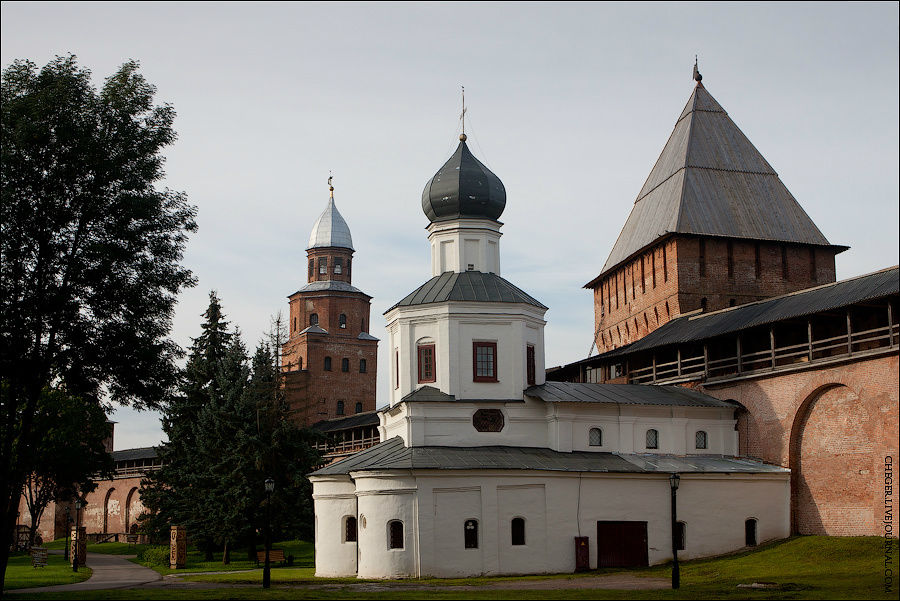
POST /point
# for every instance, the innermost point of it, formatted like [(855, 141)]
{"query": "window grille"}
[(340, 407), (595, 437), (350, 529), (700, 439), (652, 439), (313, 319), (488, 420)]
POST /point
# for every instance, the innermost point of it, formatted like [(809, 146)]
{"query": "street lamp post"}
[(674, 479), (267, 576), (79, 504)]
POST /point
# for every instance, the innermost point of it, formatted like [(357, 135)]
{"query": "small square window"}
[(652, 439)]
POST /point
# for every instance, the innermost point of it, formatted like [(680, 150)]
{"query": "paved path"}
[(110, 572)]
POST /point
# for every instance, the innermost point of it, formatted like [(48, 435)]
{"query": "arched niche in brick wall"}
[(833, 464)]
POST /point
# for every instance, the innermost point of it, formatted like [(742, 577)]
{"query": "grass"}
[(105, 548), (803, 568), (20, 574), (302, 551)]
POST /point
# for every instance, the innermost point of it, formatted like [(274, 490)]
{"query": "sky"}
[(569, 104)]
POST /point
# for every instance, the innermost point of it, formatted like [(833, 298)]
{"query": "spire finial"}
[(330, 187), (697, 77), (462, 116)]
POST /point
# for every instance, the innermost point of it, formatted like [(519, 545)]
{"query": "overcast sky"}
[(569, 104)]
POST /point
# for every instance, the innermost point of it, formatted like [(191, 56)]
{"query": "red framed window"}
[(484, 361), (426, 363), (529, 364)]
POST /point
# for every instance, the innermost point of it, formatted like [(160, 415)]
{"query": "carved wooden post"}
[(78, 546), (178, 547)]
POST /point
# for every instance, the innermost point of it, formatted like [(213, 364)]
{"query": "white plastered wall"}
[(556, 507)]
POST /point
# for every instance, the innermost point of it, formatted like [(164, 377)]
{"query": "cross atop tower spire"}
[(697, 77), (462, 115), (330, 187)]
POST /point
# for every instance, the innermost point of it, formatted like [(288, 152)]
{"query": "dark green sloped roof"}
[(466, 286), (393, 455), (623, 394)]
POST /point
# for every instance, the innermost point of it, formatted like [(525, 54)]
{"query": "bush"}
[(154, 556)]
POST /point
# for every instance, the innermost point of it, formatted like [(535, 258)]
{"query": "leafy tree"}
[(90, 251), (69, 454)]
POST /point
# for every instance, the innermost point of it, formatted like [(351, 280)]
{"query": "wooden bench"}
[(275, 555)]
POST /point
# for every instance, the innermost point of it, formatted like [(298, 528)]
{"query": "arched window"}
[(358, 407), (313, 319), (342, 321), (750, 532), (680, 536), (701, 440), (362, 366), (109, 493), (595, 437), (345, 364), (517, 528), (349, 529), (395, 534), (470, 533), (340, 407), (652, 439), (327, 363)]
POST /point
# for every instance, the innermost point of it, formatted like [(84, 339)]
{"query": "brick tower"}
[(329, 358), (712, 227)]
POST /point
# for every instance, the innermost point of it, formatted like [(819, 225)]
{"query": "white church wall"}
[(335, 500), (557, 507), (381, 500)]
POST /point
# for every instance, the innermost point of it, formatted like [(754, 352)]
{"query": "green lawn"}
[(20, 574), (802, 567), (107, 548), (302, 551)]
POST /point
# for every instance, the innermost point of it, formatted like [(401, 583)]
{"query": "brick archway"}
[(129, 509), (831, 457)]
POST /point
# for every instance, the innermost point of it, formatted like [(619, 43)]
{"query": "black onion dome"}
[(463, 187)]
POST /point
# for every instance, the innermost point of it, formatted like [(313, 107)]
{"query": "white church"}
[(487, 469)]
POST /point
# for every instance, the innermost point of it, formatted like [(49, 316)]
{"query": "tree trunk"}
[(226, 554)]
